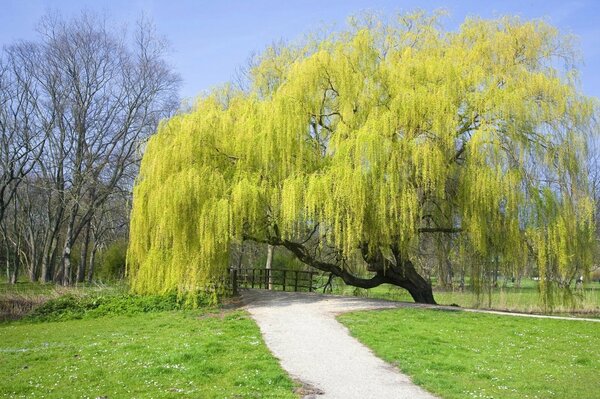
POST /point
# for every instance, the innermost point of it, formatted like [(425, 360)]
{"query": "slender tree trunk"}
[(66, 254), (14, 276), (16, 260), (84, 255), (6, 252), (65, 272), (48, 260), (13, 272), (241, 258), (33, 272), (269, 264), (91, 266), (45, 273), (443, 273), (49, 256), (7, 264), (34, 266), (496, 272)]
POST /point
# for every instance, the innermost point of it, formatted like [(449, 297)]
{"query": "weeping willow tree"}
[(358, 145)]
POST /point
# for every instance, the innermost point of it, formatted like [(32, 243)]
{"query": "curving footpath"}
[(300, 329)]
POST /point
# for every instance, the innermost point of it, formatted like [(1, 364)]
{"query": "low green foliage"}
[(18, 300), (37, 302), (70, 306), (183, 354), (111, 265), (464, 355)]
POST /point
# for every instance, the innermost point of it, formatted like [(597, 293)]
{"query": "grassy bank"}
[(178, 354), (19, 300), (463, 355)]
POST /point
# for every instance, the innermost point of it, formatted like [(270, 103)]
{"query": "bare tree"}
[(89, 95), (21, 145), (593, 165)]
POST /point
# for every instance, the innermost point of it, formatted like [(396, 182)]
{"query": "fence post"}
[(252, 278), (268, 284), (310, 286), (284, 280), (296, 281), (259, 279)]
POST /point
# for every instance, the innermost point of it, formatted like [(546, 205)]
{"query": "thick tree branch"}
[(440, 230)]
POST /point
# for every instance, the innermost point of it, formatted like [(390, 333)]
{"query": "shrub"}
[(595, 275), (111, 265), (69, 306)]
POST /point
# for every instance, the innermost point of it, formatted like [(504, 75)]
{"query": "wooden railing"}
[(275, 279)]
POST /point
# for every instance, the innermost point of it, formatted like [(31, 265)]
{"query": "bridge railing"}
[(275, 279)]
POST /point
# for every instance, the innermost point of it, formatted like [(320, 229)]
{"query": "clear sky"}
[(210, 39)]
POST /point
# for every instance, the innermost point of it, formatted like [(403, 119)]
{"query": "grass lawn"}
[(585, 302), (178, 354), (464, 355)]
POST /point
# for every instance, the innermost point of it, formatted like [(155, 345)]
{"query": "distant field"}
[(464, 355), (179, 354), (526, 298), (584, 302)]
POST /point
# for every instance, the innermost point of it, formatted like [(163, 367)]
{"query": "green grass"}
[(177, 354), (521, 299), (464, 355)]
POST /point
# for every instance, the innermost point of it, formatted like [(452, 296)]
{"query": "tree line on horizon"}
[(76, 106)]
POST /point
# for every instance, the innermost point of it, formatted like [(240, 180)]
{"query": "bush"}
[(111, 261), (70, 307), (595, 275)]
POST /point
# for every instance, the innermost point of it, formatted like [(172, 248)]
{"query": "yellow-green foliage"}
[(375, 133)]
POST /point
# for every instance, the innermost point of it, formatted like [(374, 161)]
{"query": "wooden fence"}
[(275, 279)]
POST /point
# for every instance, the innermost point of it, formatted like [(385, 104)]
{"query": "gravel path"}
[(301, 330)]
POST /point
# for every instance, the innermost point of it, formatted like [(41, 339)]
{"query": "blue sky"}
[(210, 39)]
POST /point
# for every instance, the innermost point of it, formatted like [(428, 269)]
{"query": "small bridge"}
[(272, 279)]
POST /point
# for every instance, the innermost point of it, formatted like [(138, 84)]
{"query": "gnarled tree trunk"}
[(402, 274)]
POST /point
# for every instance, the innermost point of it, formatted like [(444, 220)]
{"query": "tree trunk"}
[(403, 274), (461, 284), (496, 272), (92, 265), (7, 264), (406, 276), (34, 268), (15, 272), (66, 254), (90, 275), (269, 264), (49, 255), (241, 258), (11, 265), (84, 255)]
